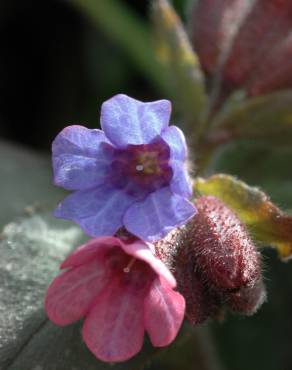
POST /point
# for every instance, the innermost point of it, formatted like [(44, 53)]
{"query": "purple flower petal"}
[(128, 121), (175, 138), (77, 172), (98, 211), (152, 218), (79, 159), (180, 183)]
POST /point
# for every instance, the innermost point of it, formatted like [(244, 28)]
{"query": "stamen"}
[(127, 269), (139, 167)]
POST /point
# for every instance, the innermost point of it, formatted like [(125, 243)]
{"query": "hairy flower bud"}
[(215, 262), (222, 247), (247, 299), (200, 301)]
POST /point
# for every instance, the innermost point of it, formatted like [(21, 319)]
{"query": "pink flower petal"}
[(86, 252), (70, 295), (114, 330), (164, 313), (143, 252)]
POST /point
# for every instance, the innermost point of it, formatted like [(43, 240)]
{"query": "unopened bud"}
[(215, 262), (200, 302), (222, 247), (247, 299)]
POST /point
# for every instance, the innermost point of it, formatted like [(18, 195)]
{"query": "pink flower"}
[(121, 289)]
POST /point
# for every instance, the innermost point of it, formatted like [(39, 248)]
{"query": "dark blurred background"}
[(57, 66)]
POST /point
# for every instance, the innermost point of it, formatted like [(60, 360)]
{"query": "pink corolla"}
[(121, 289)]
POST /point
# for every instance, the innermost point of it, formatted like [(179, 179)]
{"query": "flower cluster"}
[(128, 178), (131, 187)]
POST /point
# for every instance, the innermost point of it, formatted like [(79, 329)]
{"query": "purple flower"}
[(132, 174)]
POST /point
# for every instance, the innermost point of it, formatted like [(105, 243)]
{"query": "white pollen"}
[(140, 167)]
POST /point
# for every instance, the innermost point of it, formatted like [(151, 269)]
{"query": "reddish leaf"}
[(252, 41)]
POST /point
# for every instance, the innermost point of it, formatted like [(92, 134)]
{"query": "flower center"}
[(127, 269), (148, 163), (142, 167)]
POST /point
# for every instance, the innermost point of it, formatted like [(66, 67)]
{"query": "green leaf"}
[(26, 182), (268, 116), (176, 55), (267, 223)]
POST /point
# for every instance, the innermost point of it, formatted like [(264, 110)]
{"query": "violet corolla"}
[(121, 289), (132, 174)]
